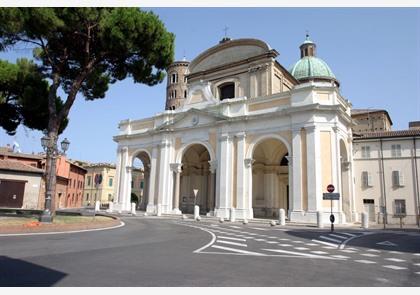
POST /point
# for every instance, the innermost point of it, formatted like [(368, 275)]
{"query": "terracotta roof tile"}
[(18, 166), (380, 134)]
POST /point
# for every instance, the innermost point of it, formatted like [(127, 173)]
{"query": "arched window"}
[(227, 90), (174, 78), (185, 93)]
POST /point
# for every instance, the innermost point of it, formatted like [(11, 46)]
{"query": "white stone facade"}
[(275, 144)]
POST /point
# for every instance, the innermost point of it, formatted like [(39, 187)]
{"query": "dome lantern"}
[(307, 48)]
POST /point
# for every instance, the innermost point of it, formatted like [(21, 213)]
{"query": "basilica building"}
[(242, 135)]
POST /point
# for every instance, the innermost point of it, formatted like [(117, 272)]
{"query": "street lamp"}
[(50, 147)]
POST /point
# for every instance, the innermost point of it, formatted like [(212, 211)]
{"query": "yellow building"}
[(99, 183)]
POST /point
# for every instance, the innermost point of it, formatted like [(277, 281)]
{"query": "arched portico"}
[(140, 160), (270, 181), (194, 170)]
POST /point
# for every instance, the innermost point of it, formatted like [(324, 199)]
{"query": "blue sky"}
[(374, 53)]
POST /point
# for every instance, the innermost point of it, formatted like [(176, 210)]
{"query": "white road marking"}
[(285, 245), (298, 253), (348, 234), (298, 242), (418, 273), (386, 243), (416, 264), (329, 248), (354, 249), (369, 255), (263, 229), (374, 250), (237, 250), (229, 238), (365, 261), (301, 248), (395, 259), (322, 252), (416, 254), (261, 240), (340, 256), (234, 226), (325, 243), (214, 225), (338, 236), (284, 239), (395, 252), (311, 244), (271, 237), (330, 239), (232, 243), (394, 267), (271, 242), (348, 251)]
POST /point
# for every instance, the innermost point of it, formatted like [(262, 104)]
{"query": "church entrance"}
[(140, 180), (196, 178), (270, 178)]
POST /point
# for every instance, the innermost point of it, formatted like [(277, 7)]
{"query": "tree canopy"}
[(78, 50)]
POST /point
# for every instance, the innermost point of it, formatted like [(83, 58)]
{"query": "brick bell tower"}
[(176, 88)]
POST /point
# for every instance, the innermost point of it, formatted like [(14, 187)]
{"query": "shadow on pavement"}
[(20, 273)]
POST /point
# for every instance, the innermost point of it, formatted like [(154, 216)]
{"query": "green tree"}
[(83, 50)]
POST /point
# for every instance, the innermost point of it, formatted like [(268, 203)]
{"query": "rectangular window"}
[(400, 207), (397, 178), (132, 184), (366, 152), (88, 180), (141, 184), (110, 181), (366, 179), (87, 197), (396, 150)]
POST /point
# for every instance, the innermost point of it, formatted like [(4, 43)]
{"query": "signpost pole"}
[(332, 224)]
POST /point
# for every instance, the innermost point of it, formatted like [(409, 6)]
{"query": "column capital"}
[(129, 168), (310, 128), (176, 167), (122, 149), (240, 135), (248, 162), (213, 166), (225, 137), (289, 160), (164, 143)]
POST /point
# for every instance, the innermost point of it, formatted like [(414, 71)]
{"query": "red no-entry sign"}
[(330, 188)]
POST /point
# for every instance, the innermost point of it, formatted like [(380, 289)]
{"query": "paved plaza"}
[(169, 252)]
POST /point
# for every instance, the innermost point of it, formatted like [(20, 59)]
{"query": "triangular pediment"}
[(191, 119)]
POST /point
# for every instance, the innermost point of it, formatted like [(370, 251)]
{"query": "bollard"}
[(198, 218), (133, 208), (97, 205), (184, 216), (273, 223), (282, 217), (196, 211), (365, 220), (221, 219), (245, 221), (159, 210), (320, 224), (111, 207), (232, 215)]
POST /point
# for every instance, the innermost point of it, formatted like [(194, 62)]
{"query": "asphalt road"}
[(163, 252)]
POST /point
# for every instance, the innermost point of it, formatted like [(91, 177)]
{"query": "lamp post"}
[(50, 147)]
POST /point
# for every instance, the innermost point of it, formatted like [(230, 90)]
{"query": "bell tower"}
[(176, 87)]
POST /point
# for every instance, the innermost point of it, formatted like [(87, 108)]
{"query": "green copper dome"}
[(311, 67)]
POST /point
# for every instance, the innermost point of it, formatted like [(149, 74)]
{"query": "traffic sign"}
[(332, 218), (330, 188), (331, 196)]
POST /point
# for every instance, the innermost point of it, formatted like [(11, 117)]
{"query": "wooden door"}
[(11, 193)]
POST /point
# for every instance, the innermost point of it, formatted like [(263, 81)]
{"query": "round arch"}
[(261, 138), (140, 178), (186, 146)]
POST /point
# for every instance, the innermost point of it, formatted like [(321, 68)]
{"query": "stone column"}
[(248, 186), (242, 208), (152, 181), (146, 185), (314, 171), (118, 176), (224, 177), (290, 175), (164, 194), (126, 203), (176, 169), (295, 190), (212, 183)]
